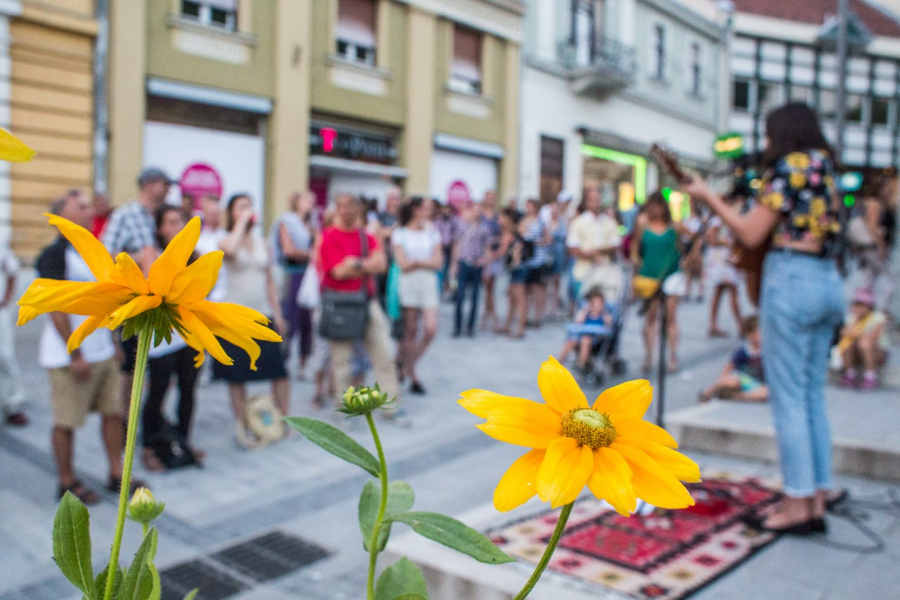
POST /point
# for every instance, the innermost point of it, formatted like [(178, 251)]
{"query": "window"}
[(465, 72), (659, 49), (587, 29), (799, 93), (881, 111), (827, 104), (768, 96), (741, 100), (854, 112), (221, 14), (355, 35), (552, 158), (696, 71)]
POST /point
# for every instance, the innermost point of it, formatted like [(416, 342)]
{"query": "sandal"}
[(151, 461), (87, 496), (17, 419), (115, 485)]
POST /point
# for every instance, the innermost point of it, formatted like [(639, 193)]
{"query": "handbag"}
[(345, 315), (309, 293), (263, 419)]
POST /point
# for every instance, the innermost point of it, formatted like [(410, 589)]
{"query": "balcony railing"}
[(598, 65)]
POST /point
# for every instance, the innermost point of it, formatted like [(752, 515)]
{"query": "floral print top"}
[(800, 187)]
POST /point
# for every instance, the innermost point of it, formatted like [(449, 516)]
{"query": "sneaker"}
[(848, 379), (869, 382), (17, 419), (416, 388), (245, 438)]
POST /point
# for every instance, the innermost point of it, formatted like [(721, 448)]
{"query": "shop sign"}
[(200, 179), (352, 145), (458, 194), (729, 145)]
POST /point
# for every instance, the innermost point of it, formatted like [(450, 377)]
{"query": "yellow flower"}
[(13, 149), (607, 446), (172, 296)]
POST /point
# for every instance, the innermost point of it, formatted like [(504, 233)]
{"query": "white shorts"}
[(675, 285), (419, 289)]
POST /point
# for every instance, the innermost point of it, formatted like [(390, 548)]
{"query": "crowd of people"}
[(354, 286)]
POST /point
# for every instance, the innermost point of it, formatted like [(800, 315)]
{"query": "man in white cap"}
[(563, 198)]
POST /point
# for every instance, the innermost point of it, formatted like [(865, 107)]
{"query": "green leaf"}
[(454, 534), (138, 584), (100, 583), (192, 594), (403, 580), (400, 500), (72, 544), (333, 440)]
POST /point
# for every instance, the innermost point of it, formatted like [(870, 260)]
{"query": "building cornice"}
[(502, 18)]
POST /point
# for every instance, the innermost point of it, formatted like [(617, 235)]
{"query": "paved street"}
[(296, 488)]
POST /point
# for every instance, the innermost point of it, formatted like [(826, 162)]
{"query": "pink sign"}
[(458, 194), (199, 180)]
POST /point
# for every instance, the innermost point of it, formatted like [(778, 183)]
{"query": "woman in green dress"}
[(656, 255)]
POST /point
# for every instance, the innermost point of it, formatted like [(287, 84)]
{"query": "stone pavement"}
[(297, 488)]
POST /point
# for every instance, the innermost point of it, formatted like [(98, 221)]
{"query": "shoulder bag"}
[(345, 315)]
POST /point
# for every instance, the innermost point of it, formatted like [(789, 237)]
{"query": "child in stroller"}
[(593, 322)]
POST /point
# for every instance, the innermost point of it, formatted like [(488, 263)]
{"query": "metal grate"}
[(213, 583), (270, 556)]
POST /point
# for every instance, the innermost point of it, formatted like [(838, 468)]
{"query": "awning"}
[(356, 166), (205, 95), (446, 141)]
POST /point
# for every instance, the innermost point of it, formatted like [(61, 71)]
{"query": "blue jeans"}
[(468, 279), (801, 304)]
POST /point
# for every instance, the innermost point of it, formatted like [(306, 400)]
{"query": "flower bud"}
[(363, 400), (143, 507)]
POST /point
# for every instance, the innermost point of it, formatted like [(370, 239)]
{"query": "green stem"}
[(551, 547), (382, 507), (134, 409), (145, 528)]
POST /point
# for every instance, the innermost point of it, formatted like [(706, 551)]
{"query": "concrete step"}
[(865, 431)]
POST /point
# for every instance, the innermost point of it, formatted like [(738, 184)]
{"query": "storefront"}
[(352, 160), (462, 169), (182, 133), (620, 176)]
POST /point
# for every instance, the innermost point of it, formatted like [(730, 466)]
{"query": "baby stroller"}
[(605, 360)]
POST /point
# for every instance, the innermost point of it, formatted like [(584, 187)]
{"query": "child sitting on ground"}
[(864, 342), (743, 378), (591, 321)]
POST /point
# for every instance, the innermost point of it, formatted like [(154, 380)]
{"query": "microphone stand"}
[(661, 374)]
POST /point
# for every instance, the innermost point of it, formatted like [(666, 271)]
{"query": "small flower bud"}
[(363, 400), (143, 507)]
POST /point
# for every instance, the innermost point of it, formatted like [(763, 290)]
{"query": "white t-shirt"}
[(209, 242), (96, 347), (417, 244), (588, 232)]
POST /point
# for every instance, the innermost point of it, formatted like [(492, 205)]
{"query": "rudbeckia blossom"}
[(172, 296), (606, 446)]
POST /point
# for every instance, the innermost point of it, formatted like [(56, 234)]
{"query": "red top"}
[(337, 244), (98, 225)]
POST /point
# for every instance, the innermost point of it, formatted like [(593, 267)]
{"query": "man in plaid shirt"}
[(471, 253), (132, 228)]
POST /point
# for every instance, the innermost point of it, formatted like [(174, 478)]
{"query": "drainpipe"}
[(101, 106), (843, 16)]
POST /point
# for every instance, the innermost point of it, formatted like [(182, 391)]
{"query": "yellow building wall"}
[(51, 102)]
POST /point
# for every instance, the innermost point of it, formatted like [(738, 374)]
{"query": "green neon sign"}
[(639, 163)]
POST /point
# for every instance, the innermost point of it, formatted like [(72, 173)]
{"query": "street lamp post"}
[(842, 52)]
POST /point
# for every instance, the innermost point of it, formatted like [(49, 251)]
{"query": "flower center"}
[(589, 427)]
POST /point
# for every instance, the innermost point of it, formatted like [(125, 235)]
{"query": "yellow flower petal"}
[(13, 149), (194, 283), (89, 247), (198, 336), (481, 402), (611, 481), (236, 324), (49, 295), (628, 400), (134, 307), (519, 483), (673, 462), (88, 327), (517, 436), (651, 481), (529, 423), (646, 430), (566, 469), (128, 274), (26, 314), (174, 258), (100, 304), (559, 388)]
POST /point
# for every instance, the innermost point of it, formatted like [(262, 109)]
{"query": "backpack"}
[(171, 448)]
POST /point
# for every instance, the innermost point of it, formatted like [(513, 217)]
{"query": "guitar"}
[(745, 259)]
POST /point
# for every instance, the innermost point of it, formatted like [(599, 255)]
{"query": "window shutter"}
[(356, 22), (227, 5), (466, 54)]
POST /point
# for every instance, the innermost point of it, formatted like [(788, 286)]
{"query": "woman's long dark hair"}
[(229, 210), (409, 208), (793, 127), (160, 215), (657, 200)]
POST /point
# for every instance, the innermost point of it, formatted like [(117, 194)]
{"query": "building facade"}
[(336, 95), (46, 97), (782, 52), (603, 80)]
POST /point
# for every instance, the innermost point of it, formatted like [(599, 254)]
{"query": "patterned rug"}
[(663, 555)]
